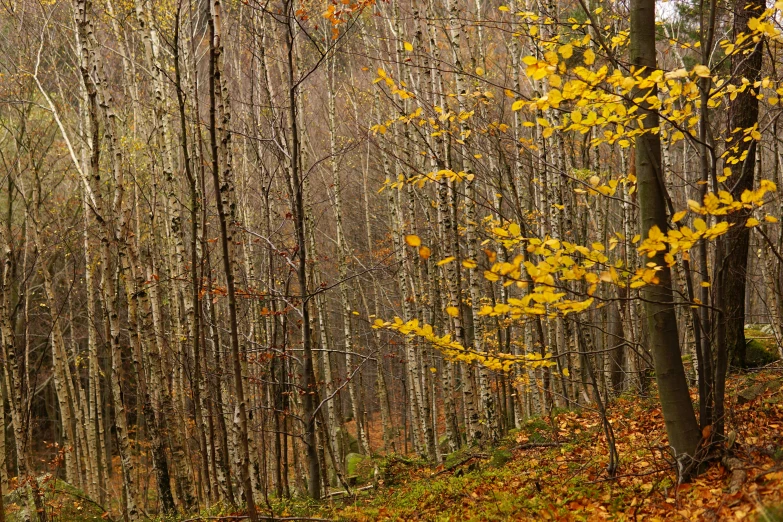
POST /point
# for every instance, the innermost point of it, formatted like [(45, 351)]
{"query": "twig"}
[(529, 445), (353, 493), (86, 499), (460, 463), (764, 473)]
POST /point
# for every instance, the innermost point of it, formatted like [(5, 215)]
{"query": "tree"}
[(659, 301)]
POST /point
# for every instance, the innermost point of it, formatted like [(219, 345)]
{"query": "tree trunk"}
[(732, 248), (659, 303)]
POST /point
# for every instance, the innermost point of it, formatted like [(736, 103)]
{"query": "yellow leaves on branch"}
[(549, 263), (598, 97), (400, 90), (454, 351), (723, 202), (681, 240)]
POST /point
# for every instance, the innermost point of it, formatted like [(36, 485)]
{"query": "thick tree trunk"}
[(732, 249), (659, 303)]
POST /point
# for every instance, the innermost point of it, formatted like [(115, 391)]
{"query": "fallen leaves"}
[(566, 480)]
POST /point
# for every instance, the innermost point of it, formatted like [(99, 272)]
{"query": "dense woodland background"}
[(212, 212)]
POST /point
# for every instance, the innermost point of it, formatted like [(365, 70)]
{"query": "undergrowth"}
[(554, 468)]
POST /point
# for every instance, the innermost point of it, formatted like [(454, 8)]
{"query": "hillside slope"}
[(554, 469)]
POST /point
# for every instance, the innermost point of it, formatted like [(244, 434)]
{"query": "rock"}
[(737, 476), (750, 394), (500, 457), (354, 465)]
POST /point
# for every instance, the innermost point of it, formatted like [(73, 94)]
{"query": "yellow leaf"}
[(566, 51), (705, 284), (679, 215), (453, 311), (413, 240), (539, 73), (479, 71), (589, 57), (770, 219), (673, 75), (517, 105), (425, 252), (751, 222), (503, 8), (702, 71), (491, 276), (408, 46), (469, 263), (446, 261), (566, 372)]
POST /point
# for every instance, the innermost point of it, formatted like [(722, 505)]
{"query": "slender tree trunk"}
[(223, 191)]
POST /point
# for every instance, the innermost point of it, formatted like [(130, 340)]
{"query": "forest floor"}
[(555, 469)]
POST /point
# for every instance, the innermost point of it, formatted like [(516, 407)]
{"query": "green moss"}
[(759, 353), (452, 459), (356, 464), (537, 430), (500, 457), (771, 514)]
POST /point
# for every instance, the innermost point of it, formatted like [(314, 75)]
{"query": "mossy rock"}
[(537, 430), (750, 394), (452, 459), (352, 462), (500, 457), (358, 468), (759, 353), (347, 441)]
